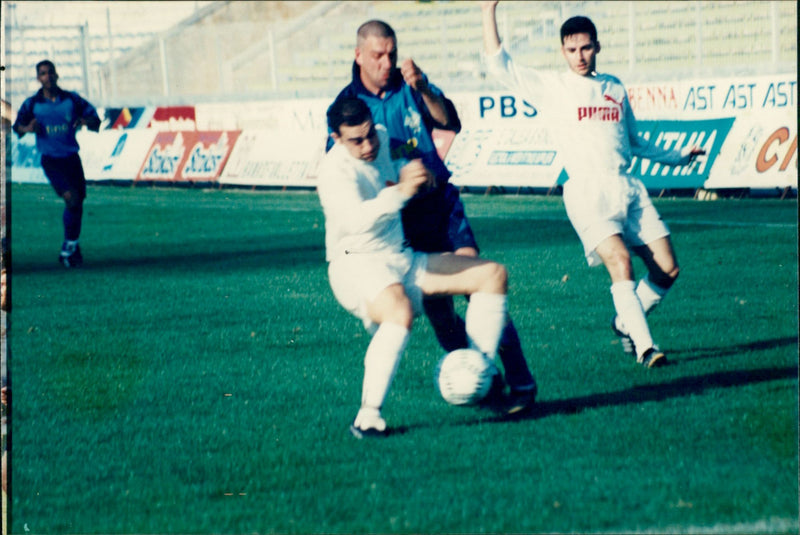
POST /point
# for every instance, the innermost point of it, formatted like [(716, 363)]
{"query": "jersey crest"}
[(412, 120)]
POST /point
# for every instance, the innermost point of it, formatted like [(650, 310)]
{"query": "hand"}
[(413, 75), (489, 4), (92, 123), (413, 177), (694, 152), (32, 126)]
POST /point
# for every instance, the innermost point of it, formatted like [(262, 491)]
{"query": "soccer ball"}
[(464, 376)]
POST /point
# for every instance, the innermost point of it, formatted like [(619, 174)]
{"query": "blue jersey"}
[(426, 218), (407, 119), (56, 118)]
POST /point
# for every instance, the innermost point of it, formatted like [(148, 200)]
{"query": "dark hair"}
[(578, 24), (46, 62), (377, 28), (349, 111)]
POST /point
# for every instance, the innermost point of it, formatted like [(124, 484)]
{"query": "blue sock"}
[(72, 218), (517, 373), (448, 326)]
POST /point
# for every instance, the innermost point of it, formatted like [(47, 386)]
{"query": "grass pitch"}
[(197, 376)]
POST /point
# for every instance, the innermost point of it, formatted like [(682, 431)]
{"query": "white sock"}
[(68, 247), (631, 314), (380, 363), (485, 320), (649, 293)]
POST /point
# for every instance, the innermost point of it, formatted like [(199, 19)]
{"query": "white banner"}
[(502, 141), (114, 154), (275, 158), (714, 97), (760, 152), (279, 115)]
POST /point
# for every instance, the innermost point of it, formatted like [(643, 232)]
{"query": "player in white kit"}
[(372, 272), (594, 128)]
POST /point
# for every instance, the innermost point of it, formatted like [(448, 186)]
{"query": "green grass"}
[(197, 376)]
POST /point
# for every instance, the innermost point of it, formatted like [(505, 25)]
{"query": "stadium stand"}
[(255, 50)]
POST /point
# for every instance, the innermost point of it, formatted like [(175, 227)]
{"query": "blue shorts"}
[(65, 174), (436, 222)]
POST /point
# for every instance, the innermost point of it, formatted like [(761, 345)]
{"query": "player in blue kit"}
[(410, 107), (54, 116)]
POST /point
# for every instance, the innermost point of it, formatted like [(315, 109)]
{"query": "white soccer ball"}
[(464, 376)]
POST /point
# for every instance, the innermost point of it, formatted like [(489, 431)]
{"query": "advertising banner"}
[(761, 152), (280, 115), (714, 97), (188, 156), (503, 142), (511, 156), (26, 162), (275, 158), (124, 118), (710, 135), (114, 154), (747, 125), (173, 118)]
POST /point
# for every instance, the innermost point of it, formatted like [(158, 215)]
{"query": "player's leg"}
[(370, 289), (427, 224), (630, 315), (391, 311), (649, 238), (517, 374), (446, 323), (663, 270), (485, 282), (457, 237), (67, 178)]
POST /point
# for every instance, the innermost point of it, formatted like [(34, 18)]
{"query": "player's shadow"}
[(194, 257), (716, 352), (677, 388)]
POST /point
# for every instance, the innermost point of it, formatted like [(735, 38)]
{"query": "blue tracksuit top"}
[(405, 116), (56, 134)]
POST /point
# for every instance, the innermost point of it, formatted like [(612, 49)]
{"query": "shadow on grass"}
[(715, 352), (682, 387), (214, 258)]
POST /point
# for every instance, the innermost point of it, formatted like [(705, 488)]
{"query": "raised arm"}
[(436, 104), (491, 39)]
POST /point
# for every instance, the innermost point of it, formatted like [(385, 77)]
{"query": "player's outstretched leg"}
[(631, 318), (380, 365)]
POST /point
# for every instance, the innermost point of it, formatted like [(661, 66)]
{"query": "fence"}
[(234, 51)]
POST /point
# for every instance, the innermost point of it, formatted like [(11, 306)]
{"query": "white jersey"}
[(593, 125), (362, 212)]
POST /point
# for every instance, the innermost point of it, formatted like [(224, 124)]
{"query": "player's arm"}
[(437, 105), (491, 38), (644, 148), (531, 83), (86, 114), (343, 200), (25, 121), (413, 177)]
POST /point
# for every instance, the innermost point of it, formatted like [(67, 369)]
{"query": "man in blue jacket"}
[(410, 107), (54, 116)]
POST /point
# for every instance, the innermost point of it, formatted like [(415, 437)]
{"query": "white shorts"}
[(639, 223), (357, 279)]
